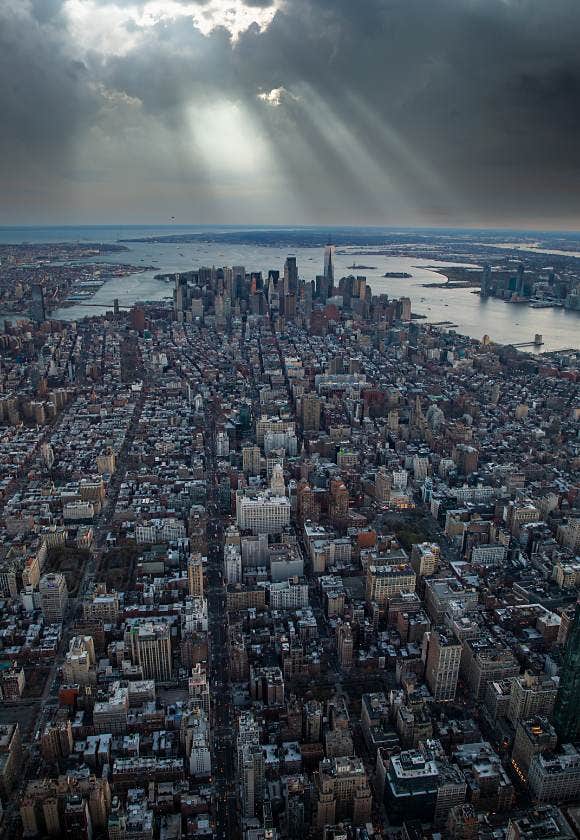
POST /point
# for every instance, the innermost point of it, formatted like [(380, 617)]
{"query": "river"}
[(503, 322)]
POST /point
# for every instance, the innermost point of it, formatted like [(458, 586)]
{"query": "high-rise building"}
[(465, 458), (383, 582), (520, 279), (488, 784), (150, 647), (199, 689), (290, 276), (276, 440), (53, 597), (101, 604), (138, 318), (232, 564), (195, 575), (486, 660), (110, 715), (531, 695), (56, 740), (310, 405), (425, 558), (567, 709), (422, 783), (383, 485), (222, 445), (251, 459), (252, 778), (442, 653), (250, 762), (10, 757), (545, 821), (321, 289), (521, 513), (106, 461), (266, 424), (37, 308), (404, 308), (532, 737), (79, 663), (343, 792), (262, 512), (277, 484), (420, 468), (248, 733), (329, 266), (344, 643), (267, 685), (296, 796), (47, 453), (43, 807), (76, 818), (199, 746), (555, 778), (462, 822), (308, 508), (338, 503), (238, 281), (181, 296), (485, 287)]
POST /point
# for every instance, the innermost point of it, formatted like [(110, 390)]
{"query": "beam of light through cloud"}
[(235, 158), (376, 177), (419, 112), (398, 151)]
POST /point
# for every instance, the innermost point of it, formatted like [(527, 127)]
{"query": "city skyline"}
[(304, 111), (280, 559)]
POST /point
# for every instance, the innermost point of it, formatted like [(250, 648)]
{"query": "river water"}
[(471, 315)]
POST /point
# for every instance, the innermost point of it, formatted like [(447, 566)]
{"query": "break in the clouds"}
[(311, 111)]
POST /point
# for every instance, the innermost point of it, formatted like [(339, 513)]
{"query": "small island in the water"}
[(398, 275)]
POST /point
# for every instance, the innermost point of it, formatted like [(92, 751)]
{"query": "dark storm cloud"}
[(468, 105), (175, 64), (461, 82), (46, 92)]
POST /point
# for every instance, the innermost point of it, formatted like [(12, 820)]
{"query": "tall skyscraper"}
[(567, 710), (277, 485), (442, 655), (345, 644), (310, 406), (520, 280), (195, 575), (37, 308), (53, 597), (252, 779), (149, 645), (181, 296), (290, 276), (485, 280), (329, 265), (322, 290)]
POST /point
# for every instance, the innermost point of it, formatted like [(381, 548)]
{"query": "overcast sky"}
[(430, 112)]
